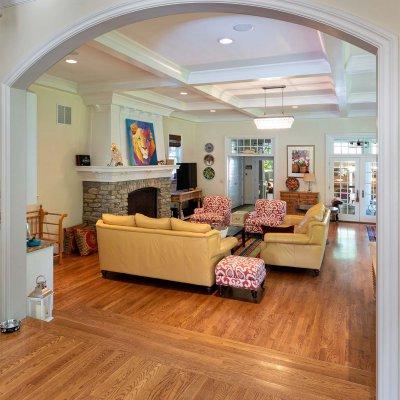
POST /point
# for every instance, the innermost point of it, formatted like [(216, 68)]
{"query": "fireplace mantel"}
[(120, 174)]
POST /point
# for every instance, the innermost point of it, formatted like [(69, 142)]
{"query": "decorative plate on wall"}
[(208, 173), (292, 183), (208, 160), (208, 147)]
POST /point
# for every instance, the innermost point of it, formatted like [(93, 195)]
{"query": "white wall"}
[(31, 145), (306, 132), (108, 125), (59, 186), (187, 130)]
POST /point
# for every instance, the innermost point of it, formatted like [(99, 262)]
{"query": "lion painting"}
[(142, 146)]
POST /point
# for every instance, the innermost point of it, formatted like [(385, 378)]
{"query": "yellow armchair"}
[(298, 250)]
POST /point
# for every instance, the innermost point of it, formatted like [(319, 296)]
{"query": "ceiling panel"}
[(192, 39), (95, 66)]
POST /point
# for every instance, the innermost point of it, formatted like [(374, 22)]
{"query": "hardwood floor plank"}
[(308, 338)]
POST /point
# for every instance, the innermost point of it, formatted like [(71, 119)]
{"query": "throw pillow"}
[(185, 226), (70, 246), (121, 220), (86, 240), (152, 223), (315, 213)]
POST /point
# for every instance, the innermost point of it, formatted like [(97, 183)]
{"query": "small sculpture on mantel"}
[(116, 157)]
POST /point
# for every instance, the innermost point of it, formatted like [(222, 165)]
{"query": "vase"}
[(295, 168), (303, 169)]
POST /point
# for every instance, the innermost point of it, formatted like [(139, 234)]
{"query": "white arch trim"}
[(327, 19)]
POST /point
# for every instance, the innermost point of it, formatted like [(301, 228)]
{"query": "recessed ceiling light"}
[(213, 111), (184, 93), (226, 41), (71, 61), (243, 28), (295, 106)]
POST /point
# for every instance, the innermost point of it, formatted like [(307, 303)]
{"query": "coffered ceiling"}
[(177, 64)]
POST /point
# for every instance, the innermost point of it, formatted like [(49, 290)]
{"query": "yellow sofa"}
[(303, 249), (162, 248)]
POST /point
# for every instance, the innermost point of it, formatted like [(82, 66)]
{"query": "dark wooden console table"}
[(185, 195)]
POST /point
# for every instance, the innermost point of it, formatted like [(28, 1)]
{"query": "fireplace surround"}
[(113, 198)]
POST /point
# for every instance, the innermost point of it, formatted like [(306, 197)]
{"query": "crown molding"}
[(116, 99), (55, 82), (254, 72)]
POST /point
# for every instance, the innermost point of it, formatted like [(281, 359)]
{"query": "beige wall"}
[(307, 132), (187, 130), (59, 187)]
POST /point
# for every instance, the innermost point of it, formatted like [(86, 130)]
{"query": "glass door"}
[(368, 190), (266, 178), (344, 185)]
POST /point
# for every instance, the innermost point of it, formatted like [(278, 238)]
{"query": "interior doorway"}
[(250, 178), (342, 24)]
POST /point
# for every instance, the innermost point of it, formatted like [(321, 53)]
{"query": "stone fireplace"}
[(144, 201), (124, 191)]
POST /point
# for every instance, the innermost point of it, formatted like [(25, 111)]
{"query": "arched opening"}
[(336, 25)]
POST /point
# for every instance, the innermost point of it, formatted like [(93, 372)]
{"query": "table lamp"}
[(310, 177)]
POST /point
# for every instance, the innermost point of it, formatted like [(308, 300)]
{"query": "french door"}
[(352, 180)]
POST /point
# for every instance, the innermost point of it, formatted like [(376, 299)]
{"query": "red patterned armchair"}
[(215, 210), (266, 212)]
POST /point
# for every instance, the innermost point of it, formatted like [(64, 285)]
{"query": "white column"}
[(13, 203)]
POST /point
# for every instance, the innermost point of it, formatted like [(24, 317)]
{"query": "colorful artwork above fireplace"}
[(141, 142)]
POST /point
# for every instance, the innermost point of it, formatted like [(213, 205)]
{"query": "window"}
[(251, 147), (175, 150), (359, 146), (63, 115)]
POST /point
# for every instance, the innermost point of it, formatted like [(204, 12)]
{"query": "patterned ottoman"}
[(241, 272)]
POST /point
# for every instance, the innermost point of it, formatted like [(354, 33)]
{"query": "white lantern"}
[(40, 301)]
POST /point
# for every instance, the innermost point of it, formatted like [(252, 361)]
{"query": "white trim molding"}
[(121, 174), (327, 19)]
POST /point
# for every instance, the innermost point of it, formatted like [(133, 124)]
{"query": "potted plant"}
[(303, 166)]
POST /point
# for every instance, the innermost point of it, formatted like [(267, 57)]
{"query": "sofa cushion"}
[(315, 213), (179, 225), (86, 240), (121, 220), (152, 223)]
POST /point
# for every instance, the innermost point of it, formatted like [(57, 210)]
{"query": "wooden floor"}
[(308, 338)]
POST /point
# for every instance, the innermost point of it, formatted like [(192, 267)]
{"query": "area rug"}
[(371, 230), (251, 248)]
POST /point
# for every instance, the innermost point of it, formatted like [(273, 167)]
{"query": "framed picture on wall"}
[(141, 142), (300, 160)]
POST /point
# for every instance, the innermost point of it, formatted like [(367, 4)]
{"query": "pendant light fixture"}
[(274, 122)]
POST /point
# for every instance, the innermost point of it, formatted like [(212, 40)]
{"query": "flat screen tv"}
[(186, 176)]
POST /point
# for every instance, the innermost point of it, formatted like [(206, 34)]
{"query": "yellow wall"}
[(303, 132), (59, 186)]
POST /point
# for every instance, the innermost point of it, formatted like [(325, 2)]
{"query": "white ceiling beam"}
[(253, 72), (128, 50), (221, 96), (144, 84), (120, 46), (302, 100), (335, 54)]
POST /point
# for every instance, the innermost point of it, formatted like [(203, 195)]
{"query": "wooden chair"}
[(48, 226)]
